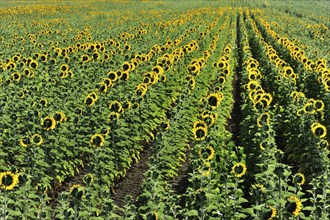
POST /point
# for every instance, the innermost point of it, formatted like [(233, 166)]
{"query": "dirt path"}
[(131, 184)]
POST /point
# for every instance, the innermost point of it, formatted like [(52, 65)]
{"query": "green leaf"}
[(191, 213), (14, 213)]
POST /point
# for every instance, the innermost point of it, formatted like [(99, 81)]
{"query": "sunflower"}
[(76, 190), (124, 76), (206, 169), (319, 130), (199, 123), (239, 169), (33, 64), (108, 82), (206, 153), (64, 68), (294, 205), (113, 116), (126, 66), (102, 87), (36, 139), (21, 94), (97, 140), (88, 178), (200, 133), (85, 58), (299, 179), (323, 143), (43, 102), (214, 99), (96, 55), (309, 108), (165, 125), (263, 119), (16, 76), (8, 180), (115, 106), (209, 119), (59, 116), (127, 105), (74, 186), (271, 214), (105, 131), (89, 100), (158, 69), (141, 89), (24, 141), (259, 187), (319, 105), (112, 75), (48, 123)]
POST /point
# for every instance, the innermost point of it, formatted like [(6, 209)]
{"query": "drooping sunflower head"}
[(258, 188), (8, 180), (294, 205), (24, 141), (270, 214), (77, 191), (239, 169), (97, 140), (48, 123), (206, 153), (298, 179)]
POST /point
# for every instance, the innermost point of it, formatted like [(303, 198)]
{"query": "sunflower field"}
[(164, 110)]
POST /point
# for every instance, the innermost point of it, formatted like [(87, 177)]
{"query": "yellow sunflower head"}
[(319, 130), (294, 205), (8, 180), (239, 169), (48, 123), (97, 140), (299, 179), (200, 133), (206, 153), (36, 139)]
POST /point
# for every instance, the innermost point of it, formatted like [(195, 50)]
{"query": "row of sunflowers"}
[(230, 103)]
